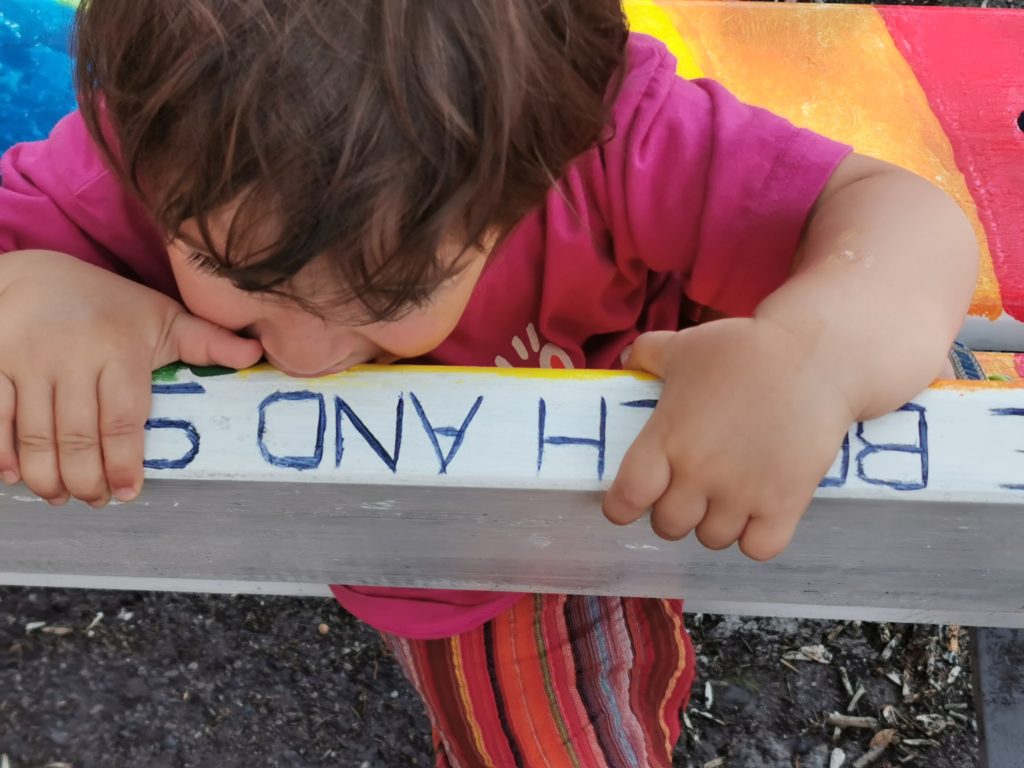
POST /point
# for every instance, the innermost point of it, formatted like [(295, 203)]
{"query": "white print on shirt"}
[(549, 356)]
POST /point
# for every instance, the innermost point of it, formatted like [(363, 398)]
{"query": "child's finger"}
[(649, 352), (766, 537), (37, 448), (124, 394), (722, 526), (679, 510), (643, 477), (199, 342), (78, 442), (8, 454)]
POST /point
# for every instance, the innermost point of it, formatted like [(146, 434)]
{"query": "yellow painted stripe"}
[(649, 18), (353, 375)]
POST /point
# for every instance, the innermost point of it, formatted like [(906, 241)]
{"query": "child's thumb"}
[(196, 341), (650, 352)]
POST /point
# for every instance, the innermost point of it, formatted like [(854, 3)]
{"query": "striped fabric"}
[(557, 680)]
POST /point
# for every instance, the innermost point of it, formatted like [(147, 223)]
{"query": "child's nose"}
[(307, 353)]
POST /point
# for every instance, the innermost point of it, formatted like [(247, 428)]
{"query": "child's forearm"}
[(882, 283)]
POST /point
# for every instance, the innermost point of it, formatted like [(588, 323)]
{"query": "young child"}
[(325, 184)]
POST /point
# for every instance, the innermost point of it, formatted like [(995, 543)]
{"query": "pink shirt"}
[(697, 200)]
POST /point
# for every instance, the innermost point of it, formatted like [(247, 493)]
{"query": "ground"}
[(144, 680), (92, 679)]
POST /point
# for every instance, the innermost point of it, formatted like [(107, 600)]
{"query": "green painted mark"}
[(169, 373), (204, 371)]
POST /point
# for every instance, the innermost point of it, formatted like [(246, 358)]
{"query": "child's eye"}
[(203, 262)]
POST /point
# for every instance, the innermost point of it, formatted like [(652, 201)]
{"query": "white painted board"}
[(491, 479)]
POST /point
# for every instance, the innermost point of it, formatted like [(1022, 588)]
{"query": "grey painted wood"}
[(999, 694), (910, 561), (1004, 334)]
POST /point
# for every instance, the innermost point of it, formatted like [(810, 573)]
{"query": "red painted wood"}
[(970, 64)]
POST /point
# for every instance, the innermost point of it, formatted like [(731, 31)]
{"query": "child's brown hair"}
[(369, 131)]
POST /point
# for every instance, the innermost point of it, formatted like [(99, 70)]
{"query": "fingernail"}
[(125, 494), (11, 477), (60, 501), (96, 504)]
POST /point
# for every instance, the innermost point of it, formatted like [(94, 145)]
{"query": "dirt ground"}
[(93, 679), (144, 680)]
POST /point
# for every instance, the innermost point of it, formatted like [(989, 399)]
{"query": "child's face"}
[(302, 344)]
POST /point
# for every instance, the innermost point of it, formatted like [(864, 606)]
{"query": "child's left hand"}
[(747, 425)]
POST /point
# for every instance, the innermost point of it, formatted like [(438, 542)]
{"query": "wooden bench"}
[(491, 478)]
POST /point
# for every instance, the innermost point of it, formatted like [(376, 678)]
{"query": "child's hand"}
[(746, 427), (77, 348)]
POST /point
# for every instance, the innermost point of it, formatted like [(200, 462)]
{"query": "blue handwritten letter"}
[(293, 462), (844, 468), (191, 433), (543, 439), (390, 459), (433, 432), (1010, 412), (920, 448)]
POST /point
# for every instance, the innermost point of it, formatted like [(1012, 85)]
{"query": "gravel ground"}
[(92, 679)]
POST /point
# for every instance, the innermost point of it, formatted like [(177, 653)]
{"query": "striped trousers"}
[(557, 680)]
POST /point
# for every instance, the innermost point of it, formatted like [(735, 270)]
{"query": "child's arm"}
[(881, 284), (76, 353), (754, 409)]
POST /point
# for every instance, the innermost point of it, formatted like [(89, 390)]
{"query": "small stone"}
[(60, 738), (323, 629), (135, 688)]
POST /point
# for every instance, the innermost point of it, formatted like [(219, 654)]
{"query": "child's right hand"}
[(78, 345)]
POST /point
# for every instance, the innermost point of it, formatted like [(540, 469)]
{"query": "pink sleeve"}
[(701, 184), (58, 195)]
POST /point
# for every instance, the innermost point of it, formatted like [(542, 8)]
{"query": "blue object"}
[(35, 68)]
